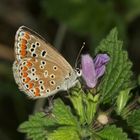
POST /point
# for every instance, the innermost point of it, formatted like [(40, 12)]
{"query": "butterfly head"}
[(78, 72), (72, 79)]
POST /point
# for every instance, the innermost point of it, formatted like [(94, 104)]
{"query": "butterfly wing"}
[(39, 69), (29, 44), (38, 83)]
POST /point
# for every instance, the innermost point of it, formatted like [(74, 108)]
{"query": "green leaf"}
[(76, 97), (85, 104), (64, 133), (133, 121), (63, 115), (35, 127), (91, 102), (111, 132), (122, 100), (40, 125), (118, 71)]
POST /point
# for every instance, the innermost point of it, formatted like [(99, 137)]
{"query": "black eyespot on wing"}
[(32, 50), (37, 43), (43, 53), (34, 55), (33, 46)]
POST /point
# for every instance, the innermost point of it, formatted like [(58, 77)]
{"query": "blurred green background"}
[(66, 25)]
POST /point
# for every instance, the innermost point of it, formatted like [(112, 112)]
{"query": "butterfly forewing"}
[(29, 44)]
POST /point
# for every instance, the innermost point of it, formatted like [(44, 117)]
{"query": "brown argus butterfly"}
[(39, 70)]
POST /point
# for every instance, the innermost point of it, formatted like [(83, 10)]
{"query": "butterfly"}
[(39, 69)]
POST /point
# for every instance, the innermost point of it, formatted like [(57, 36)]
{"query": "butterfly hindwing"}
[(37, 77), (29, 44)]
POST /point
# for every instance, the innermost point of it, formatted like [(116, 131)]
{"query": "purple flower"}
[(93, 69)]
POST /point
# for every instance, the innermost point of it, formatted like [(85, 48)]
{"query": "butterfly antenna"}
[(77, 59)]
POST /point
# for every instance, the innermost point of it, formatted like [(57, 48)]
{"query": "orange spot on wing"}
[(29, 64), (23, 53), (25, 74), (31, 85), (27, 35), (23, 46), (23, 41), (37, 91), (24, 68), (27, 79)]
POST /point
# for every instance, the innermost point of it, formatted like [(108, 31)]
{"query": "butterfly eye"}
[(78, 72)]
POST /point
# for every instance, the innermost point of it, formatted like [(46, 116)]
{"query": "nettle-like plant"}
[(104, 107)]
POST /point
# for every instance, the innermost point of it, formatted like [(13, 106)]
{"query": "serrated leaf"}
[(122, 100), (63, 115), (90, 103), (85, 104), (118, 71), (64, 133), (76, 97), (133, 120), (41, 125), (111, 132), (35, 127)]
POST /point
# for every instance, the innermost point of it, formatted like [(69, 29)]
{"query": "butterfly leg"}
[(49, 108)]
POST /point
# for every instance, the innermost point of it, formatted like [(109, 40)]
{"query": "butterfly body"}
[(39, 70)]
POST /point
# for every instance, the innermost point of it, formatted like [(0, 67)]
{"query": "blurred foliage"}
[(93, 17), (112, 133), (133, 121)]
